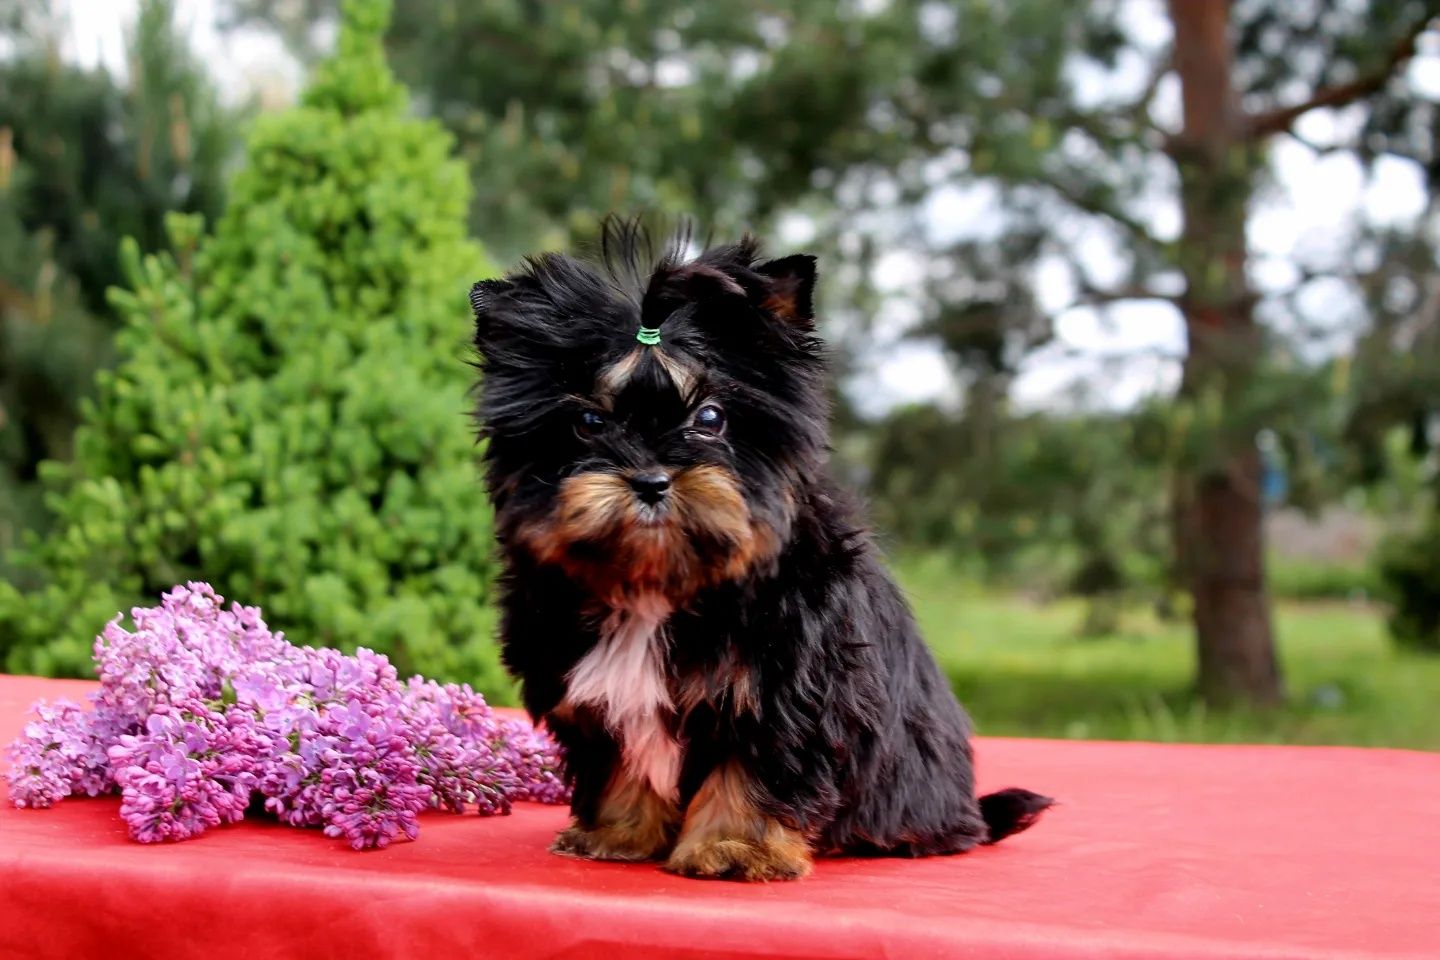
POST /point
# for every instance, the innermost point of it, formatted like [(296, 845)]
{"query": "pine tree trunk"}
[(1217, 498)]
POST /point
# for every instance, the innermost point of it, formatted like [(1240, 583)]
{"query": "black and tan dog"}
[(690, 601)]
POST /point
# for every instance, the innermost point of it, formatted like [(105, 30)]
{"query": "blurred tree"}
[(568, 111), (1233, 76), (1396, 386), (287, 417), (85, 159), (1075, 169), (1084, 491)]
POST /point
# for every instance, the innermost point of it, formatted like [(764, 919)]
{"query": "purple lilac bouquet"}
[(204, 713)]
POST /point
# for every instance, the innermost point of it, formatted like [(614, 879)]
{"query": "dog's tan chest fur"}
[(623, 680)]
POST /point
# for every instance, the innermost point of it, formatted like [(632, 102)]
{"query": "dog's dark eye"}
[(710, 418), (590, 423)]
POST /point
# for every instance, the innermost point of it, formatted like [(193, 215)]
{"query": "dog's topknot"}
[(660, 274)]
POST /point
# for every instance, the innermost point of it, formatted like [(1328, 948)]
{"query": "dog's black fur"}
[(790, 652)]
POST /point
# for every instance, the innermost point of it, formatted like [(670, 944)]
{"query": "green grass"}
[(1294, 578), (1022, 669)]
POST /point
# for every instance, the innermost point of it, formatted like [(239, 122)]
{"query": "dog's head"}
[(650, 421)]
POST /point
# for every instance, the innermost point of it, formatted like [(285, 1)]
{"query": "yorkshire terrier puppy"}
[(689, 600)]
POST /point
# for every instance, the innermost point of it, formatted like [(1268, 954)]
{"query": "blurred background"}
[(1135, 309)]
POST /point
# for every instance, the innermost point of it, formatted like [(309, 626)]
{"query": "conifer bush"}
[(1410, 576), (287, 420)]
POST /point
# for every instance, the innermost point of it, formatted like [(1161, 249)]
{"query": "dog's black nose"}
[(651, 485)]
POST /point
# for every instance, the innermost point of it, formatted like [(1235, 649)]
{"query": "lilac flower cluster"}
[(203, 713)]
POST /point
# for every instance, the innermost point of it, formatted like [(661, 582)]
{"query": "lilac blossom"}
[(56, 755), (202, 710)]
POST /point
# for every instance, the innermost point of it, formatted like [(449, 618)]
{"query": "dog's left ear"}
[(790, 289), (482, 297)]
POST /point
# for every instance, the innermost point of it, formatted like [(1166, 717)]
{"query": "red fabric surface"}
[(1157, 851)]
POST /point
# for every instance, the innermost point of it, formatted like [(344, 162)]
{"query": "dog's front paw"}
[(612, 842), (717, 858)]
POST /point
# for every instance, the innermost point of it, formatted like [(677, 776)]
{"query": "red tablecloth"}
[(1156, 851)]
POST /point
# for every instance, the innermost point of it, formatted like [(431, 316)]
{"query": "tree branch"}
[(1095, 297), (1108, 127), (1320, 149), (1259, 126), (1091, 204), (1159, 70)]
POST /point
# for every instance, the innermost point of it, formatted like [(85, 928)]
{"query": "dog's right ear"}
[(791, 293), (482, 298)]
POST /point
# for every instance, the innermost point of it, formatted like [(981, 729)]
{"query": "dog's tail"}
[(1011, 810)]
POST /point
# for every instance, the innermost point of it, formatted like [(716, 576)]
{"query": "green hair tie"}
[(650, 336)]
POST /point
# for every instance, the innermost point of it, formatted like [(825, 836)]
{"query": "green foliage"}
[(730, 112), (287, 418), (1410, 570), (84, 161), (578, 109), (1044, 502), (1294, 578)]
